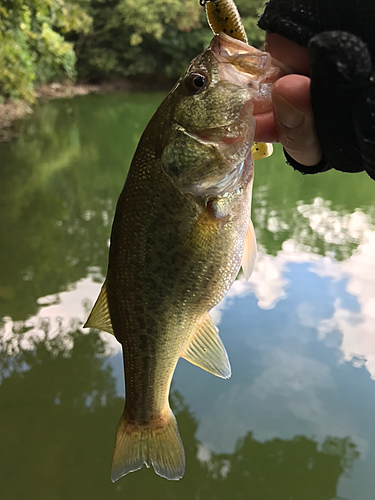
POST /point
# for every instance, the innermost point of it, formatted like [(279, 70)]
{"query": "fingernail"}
[(287, 115)]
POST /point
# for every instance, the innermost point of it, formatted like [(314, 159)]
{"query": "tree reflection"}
[(60, 183), (59, 411), (279, 192), (282, 469)]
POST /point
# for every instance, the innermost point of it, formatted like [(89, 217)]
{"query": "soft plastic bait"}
[(222, 15)]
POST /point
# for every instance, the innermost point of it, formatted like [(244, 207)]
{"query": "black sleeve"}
[(340, 37)]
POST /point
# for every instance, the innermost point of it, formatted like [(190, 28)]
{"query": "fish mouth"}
[(215, 136), (249, 62), (245, 66)]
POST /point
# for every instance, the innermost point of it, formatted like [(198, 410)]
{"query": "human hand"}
[(339, 45), (292, 122)]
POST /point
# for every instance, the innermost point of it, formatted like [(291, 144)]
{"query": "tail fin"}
[(154, 444)]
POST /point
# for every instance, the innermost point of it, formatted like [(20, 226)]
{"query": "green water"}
[(295, 421)]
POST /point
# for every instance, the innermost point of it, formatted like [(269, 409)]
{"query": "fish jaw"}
[(246, 66), (236, 73), (212, 132)]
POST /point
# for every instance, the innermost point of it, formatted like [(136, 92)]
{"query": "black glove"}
[(341, 42)]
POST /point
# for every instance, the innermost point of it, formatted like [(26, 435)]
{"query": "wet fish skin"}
[(177, 244)]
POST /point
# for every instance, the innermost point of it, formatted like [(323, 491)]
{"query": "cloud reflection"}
[(59, 315), (357, 327), (356, 276)]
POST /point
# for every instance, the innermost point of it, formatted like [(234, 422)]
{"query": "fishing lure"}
[(261, 150), (223, 15)]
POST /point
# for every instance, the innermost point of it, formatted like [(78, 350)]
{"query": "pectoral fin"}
[(207, 351), (99, 317), (261, 150), (249, 251)]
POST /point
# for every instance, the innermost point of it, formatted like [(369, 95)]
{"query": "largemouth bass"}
[(181, 231)]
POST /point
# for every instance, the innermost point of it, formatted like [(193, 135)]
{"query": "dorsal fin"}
[(249, 251), (207, 351), (99, 317)]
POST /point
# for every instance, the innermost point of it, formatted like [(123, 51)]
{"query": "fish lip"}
[(215, 135), (245, 66), (226, 48)]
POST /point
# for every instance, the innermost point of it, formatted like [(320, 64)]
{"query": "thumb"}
[(294, 119)]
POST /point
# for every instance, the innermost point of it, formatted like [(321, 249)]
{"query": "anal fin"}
[(207, 351), (249, 251), (99, 317)]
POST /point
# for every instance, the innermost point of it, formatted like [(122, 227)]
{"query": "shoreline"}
[(12, 111)]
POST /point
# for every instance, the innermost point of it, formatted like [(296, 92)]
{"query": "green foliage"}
[(250, 11), (16, 66), (49, 40), (145, 18), (32, 45), (56, 57), (139, 37)]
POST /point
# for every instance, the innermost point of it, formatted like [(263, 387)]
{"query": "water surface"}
[(295, 421)]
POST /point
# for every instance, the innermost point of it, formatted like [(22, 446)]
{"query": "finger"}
[(294, 120), (265, 128), (289, 53)]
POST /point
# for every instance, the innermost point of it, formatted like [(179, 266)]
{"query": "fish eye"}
[(196, 82)]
